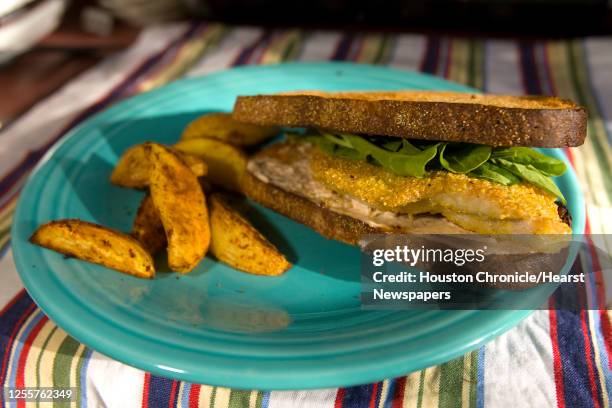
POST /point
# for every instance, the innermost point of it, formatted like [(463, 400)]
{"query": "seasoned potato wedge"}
[(223, 127), (147, 227), (180, 203), (237, 243), (133, 168), (97, 244), (226, 163)]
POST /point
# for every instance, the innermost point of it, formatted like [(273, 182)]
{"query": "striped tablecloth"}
[(553, 358)]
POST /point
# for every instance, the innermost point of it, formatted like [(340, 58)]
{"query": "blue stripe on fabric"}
[(265, 399), (83, 376), (358, 396), (576, 383), (480, 378), (529, 69), (186, 393), (159, 391), (432, 52), (8, 320)]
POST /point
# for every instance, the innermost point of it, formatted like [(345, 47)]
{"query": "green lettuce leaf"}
[(525, 155), (463, 157), (531, 175), (496, 174)]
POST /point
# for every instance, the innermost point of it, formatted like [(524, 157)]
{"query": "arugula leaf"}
[(393, 146), (494, 173), (408, 161), (412, 164), (463, 157), (525, 155), (531, 174)]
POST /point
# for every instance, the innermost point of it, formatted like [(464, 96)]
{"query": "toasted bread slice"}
[(495, 120)]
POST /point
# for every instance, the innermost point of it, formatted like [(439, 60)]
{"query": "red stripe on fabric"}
[(145, 390), (339, 398), (25, 350), (588, 352), (398, 392), (359, 49), (557, 365), (374, 393), (606, 332), (12, 301), (172, 398), (194, 395), (9, 345)]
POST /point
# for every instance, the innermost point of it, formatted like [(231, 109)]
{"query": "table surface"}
[(555, 357)]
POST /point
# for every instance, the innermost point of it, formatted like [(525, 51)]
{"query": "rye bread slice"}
[(495, 120)]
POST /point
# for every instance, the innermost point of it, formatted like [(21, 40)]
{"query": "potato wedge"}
[(237, 243), (133, 168), (148, 228), (226, 163), (180, 202), (222, 126), (96, 244)]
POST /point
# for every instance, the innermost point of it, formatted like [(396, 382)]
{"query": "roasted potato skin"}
[(226, 163), (237, 243), (223, 127), (147, 227), (181, 205), (134, 168), (96, 244)]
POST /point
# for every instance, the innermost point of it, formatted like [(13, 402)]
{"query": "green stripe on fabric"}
[(421, 388), (383, 55), (294, 46), (259, 400), (239, 398), (473, 377), (39, 359), (582, 87), (61, 366), (476, 64), (213, 396), (451, 383)]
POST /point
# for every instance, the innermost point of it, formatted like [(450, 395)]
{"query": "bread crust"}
[(486, 119)]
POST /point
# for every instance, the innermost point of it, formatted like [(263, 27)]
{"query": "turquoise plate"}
[(217, 325)]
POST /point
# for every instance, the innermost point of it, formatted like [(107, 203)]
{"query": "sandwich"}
[(356, 163)]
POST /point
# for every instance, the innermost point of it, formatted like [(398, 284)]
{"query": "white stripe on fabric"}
[(319, 46), (112, 384), (313, 398), (502, 68), (226, 52), (408, 51), (11, 284), (520, 367)]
